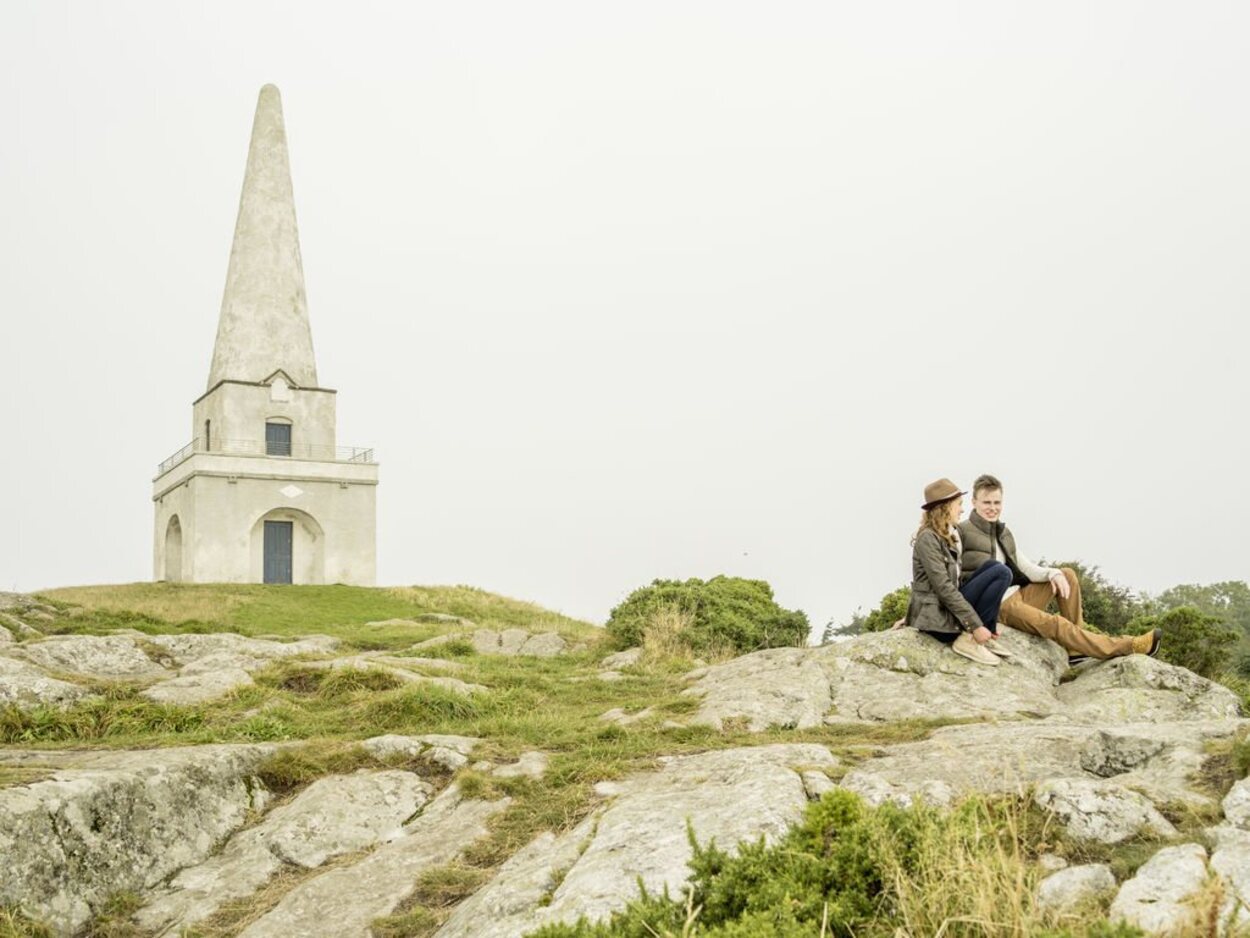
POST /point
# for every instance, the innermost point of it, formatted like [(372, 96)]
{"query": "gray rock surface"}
[(902, 674), (1230, 860), (333, 816), (397, 668), (641, 834), (1070, 887), (113, 657), (544, 645), (24, 686), (1157, 899), (1236, 805), (775, 687), (451, 752), (528, 765), (198, 687), (1101, 811), (185, 649), (622, 659), (123, 821), (510, 642), (344, 901), (1139, 689), (1163, 759), (620, 717)]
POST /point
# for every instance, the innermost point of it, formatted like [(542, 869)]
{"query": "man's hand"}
[(1059, 584), (981, 635)]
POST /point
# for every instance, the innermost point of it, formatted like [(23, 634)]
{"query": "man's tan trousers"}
[(1025, 610)]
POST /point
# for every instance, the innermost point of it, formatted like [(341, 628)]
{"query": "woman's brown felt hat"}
[(943, 490)]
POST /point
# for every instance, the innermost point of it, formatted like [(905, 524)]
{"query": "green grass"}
[(253, 609)]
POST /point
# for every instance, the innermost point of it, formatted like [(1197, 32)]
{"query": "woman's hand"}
[(981, 635)]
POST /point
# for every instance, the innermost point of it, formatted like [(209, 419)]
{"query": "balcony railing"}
[(312, 451)]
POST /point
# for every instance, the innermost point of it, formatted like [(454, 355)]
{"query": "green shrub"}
[(724, 612), (893, 607), (849, 869), (1191, 639)]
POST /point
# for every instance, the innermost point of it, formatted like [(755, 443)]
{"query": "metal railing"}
[(312, 451)]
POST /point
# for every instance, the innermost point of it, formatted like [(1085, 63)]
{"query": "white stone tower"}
[(263, 493)]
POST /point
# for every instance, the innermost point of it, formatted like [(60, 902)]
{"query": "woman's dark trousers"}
[(984, 591)]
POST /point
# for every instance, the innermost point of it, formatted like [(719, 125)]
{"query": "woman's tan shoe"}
[(993, 646), (967, 646)]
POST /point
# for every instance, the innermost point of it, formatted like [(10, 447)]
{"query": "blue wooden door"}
[(277, 439), (278, 539)]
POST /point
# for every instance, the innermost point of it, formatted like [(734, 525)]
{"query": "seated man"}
[(1024, 606)]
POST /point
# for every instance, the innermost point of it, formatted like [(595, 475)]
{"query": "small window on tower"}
[(277, 439), (208, 436)]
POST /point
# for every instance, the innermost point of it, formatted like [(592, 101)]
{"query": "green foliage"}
[(724, 612), (849, 869), (1191, 639), (1229, 601), (892, 608)]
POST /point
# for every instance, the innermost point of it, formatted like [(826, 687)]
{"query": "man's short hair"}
[(985, 481)]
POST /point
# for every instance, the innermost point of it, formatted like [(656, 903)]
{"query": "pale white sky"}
[(651, 289)]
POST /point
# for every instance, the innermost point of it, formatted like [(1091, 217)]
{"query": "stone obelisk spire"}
[(264, 312)]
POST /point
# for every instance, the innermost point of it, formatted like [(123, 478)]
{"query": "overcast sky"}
[(651, 289)]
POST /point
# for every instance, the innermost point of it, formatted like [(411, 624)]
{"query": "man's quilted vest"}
[(978, 537)]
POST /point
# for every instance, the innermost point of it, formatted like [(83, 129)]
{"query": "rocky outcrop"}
[(1071, 887), (333, 816), (1138, 689), (252, 653), (509, 642), (1103, 752), (1101, 811), (343, 902), (954, 761), (180, 669), (451, 752), (25, 686), (1159, 898), (121, 821), (112, 657), (902, 674), (640, 834)]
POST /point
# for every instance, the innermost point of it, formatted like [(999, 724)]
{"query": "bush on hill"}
[(1191, 639), (723, 612)]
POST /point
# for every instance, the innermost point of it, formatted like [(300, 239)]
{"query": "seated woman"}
[(964, 617)]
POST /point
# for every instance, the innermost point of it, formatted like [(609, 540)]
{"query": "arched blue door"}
[(278, 540)]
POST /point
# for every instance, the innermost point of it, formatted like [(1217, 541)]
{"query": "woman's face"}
[(956, 509)]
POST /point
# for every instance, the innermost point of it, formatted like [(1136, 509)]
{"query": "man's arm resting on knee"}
[(1039, 574)]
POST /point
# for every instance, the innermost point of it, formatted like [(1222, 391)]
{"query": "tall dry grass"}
[(969, 874), (663, 642)]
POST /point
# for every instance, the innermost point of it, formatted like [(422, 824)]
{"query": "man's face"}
[(988, 503)]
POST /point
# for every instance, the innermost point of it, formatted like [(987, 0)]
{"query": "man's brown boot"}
[(1148, 642)]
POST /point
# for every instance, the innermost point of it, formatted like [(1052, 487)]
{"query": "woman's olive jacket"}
[(936, 603)]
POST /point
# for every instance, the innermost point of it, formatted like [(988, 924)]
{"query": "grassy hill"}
[(298, 610), (553, 705)]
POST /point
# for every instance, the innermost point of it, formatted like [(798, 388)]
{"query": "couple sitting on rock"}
[(968, 576)]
